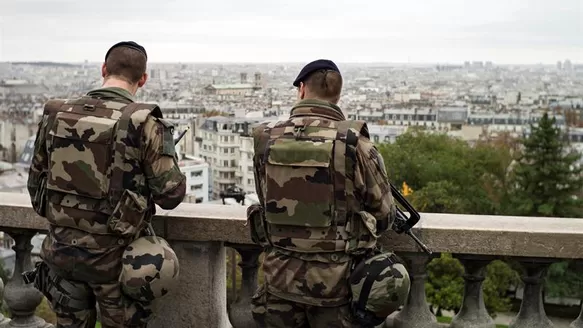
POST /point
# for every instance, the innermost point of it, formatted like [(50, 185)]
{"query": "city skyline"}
[(261, 31)]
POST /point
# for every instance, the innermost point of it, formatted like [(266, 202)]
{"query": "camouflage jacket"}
[(98, 206), (321, 278)]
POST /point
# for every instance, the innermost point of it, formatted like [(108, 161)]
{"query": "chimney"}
[(257, 80)]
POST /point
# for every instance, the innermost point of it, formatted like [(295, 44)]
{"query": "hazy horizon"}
[(506, 32)]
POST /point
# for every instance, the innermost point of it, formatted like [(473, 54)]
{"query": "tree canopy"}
[(533, 176)]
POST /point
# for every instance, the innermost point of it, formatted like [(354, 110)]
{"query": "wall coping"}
[(454, 233)]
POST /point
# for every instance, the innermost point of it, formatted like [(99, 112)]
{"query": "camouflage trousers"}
[(270, 311), (115, 309)]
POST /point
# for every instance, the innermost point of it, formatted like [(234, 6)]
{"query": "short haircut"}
[(325, 85), (126, 63)]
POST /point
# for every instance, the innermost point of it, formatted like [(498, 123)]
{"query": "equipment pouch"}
[(38, 276), (361, 230), (128, 217), (257, 228)]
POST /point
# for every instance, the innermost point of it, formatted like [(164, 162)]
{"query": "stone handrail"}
[(200, 232)]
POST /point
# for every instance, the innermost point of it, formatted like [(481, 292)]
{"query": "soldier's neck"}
[(112, 82)]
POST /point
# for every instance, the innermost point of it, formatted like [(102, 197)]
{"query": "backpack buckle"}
[(298, 130)]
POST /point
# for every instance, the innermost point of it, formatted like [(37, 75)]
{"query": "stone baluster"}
[(578, 323), (240, 311), (532, 312), (3, 320), (473, 313), (199, 299), (22, 299), (416, 313)]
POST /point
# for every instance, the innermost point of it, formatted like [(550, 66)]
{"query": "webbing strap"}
[(64, 298), (120, 147), (344, 162), (370, 279)]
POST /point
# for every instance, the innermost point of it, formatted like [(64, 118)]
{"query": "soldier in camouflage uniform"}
[(324, 198), (101, 162)]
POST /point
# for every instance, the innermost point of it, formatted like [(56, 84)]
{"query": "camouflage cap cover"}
[(149, 269), (380, 285)]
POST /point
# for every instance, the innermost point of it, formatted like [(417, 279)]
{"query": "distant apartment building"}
[(509, 122), (245, 176), (425, 117), (180, 110), (241, 88), (451, 118), (385, 133), (196, 171), (220, 140), (13, 137)]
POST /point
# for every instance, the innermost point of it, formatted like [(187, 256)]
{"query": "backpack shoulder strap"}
[(344, 164), (120, 147)]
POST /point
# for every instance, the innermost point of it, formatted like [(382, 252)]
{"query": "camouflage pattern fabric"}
[(115, 310), (86, 238), (150, 269), (309, 265), (380, 285), (270, 311)]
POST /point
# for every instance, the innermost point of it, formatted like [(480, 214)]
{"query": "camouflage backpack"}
[(92, 152), (379, 285), (307, 180)]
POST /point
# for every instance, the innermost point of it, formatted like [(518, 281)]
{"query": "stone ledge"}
[(454, 233)]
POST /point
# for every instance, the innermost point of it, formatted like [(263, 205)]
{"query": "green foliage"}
[(547, 180), (499, 278), (447, 174), (445, 285), (45, 312), (563, 280), (450, 176)]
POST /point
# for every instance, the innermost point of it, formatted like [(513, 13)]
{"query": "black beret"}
[(127, 44), (316, 65)]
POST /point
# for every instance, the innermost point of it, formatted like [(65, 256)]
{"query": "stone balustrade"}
[(200, 233)]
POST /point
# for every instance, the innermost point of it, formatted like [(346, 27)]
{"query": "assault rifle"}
[(403, 224)]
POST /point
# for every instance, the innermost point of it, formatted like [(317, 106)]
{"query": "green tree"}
[(446, 174), (548, 182), (450, 176), (445, 284), (547, 179)]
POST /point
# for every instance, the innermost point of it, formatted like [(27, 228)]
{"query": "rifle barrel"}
[(181, 135), (419, 242)]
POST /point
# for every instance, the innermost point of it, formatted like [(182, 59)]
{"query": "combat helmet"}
[(380, 285), (149, 269)]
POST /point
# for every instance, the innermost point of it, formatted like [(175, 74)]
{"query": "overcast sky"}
[(503, 31)]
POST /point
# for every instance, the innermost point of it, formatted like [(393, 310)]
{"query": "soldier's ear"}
[(103, 70), (143, 80), (302, 91)]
